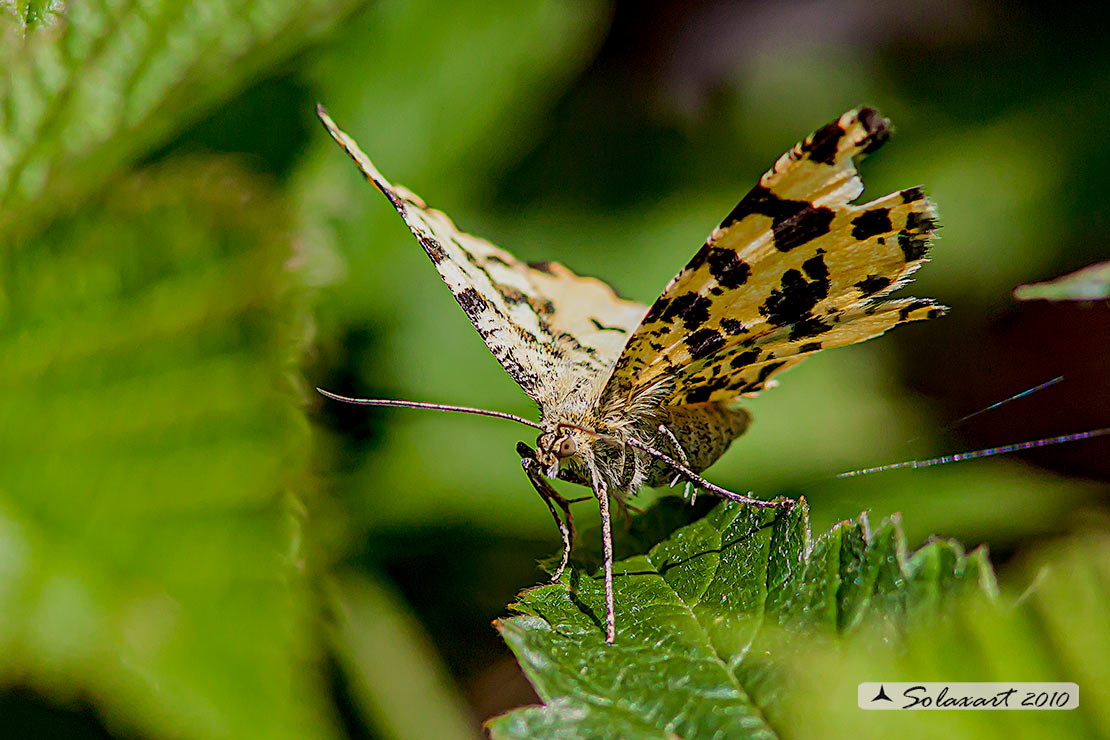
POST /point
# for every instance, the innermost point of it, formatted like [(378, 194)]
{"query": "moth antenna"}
[(1003, 402), (431, 406), (594, 433), (976, 454), (705, 485), (591, 432), (1016, 396)]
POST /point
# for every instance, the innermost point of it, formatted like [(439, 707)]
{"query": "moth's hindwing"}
[(794, 268)]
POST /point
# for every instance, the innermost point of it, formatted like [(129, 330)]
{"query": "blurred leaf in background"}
[(91, 86), (154, 453), (1091, 283)]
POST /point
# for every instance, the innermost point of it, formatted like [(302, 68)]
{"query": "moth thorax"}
[(640, 408)]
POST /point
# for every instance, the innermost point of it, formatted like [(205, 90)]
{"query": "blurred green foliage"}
[(151, 447), (181, 246)]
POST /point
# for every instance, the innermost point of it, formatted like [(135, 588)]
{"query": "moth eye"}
[(566, 448)]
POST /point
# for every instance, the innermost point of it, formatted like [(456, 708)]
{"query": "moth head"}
[(555, 446)]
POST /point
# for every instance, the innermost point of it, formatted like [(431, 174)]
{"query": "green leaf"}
[(1092, 283), (31, 14), (152, 448), (88, 93), (700, 617)]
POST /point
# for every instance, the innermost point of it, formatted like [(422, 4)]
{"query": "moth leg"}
[(552, 498), (688, 492), (607, 553)]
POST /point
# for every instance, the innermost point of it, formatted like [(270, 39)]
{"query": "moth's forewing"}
[(541, 320), (794, 268)]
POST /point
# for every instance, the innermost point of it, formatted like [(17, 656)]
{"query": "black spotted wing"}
[(794, 268), (542, 322)]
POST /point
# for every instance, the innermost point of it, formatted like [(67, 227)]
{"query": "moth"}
[(632, 395)]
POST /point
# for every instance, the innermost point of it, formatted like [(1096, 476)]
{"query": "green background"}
[(193, 544)]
